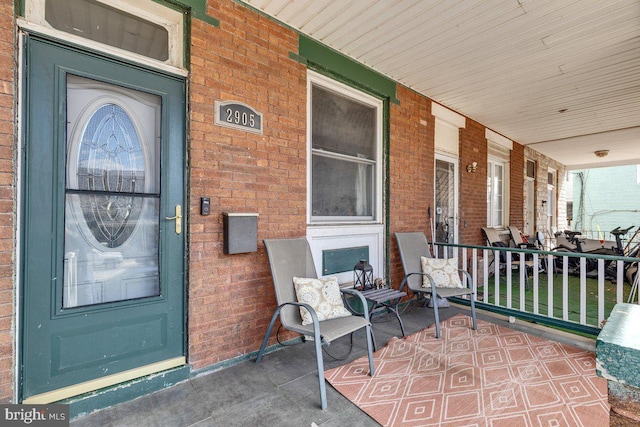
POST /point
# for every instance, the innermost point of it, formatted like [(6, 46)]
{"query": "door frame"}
[(20, 325)]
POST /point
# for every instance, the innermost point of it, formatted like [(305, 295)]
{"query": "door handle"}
[(177, 218)]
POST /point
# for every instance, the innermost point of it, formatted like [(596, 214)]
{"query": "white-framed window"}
[(344, 153), (496, 184), (531, 169), (140, 30), (498, 163), (529, 197), (551, 199)]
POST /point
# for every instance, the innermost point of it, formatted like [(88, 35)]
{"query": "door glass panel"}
[(530, 225), (445, 202), (111, 199)]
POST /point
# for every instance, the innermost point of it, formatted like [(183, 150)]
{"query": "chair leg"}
[(436, 315), (395, 311), (268, 334), (472, 300), (373, 338), (370, 348), (320, 364)]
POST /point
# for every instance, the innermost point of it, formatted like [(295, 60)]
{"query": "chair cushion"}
[(444, 272), (323, 295)]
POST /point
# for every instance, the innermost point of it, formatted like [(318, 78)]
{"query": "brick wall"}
[(473, 186), (7, 201), (246, 59), (517, 210), (411, 163)]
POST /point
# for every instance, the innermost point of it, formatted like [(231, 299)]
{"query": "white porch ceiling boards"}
[(512, 65)]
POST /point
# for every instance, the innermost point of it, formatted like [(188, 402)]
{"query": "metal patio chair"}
[(414, 245), (291, 258), (537, 244), (493, 239), (518, 241)]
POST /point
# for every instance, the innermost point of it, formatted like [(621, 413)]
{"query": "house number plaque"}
[(237, 115)]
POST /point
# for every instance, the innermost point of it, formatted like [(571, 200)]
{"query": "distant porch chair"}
[(493, 239)]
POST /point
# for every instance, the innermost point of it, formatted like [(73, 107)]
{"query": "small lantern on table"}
[(363, 275)]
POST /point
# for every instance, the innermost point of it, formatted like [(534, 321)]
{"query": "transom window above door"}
[(143, 28), (345, 153)]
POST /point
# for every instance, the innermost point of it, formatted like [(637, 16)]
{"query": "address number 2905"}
[(237, 115), (238, 118)]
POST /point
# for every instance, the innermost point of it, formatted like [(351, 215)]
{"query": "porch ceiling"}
[(562, 76)]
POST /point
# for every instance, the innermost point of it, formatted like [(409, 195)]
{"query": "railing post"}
[(565, 288), (600, 291), (535, 280), (583, 290)]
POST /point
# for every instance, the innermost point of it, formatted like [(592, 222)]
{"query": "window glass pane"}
[(498, 192), (342, 125), (489, 194), (104, 24), (498, 195), (495, 194), (531, 169), (341, 187)]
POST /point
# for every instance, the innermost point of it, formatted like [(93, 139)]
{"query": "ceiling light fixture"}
[(601, 153)]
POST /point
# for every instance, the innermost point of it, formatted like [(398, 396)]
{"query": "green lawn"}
[(573, 291)]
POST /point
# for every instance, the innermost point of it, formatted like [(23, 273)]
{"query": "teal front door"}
[(103, 246)]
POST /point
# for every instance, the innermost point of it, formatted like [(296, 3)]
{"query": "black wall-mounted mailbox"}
[(240, 232)]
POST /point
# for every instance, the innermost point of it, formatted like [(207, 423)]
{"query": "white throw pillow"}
[(444, 272), (323, 295)]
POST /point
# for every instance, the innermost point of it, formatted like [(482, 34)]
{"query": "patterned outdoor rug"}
[(491, 377)]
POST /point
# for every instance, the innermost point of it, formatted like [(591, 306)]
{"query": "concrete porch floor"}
[(282, 390)]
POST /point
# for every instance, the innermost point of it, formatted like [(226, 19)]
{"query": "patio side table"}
[(384, 299)]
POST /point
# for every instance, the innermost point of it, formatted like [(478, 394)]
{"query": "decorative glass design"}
[(111, 160)]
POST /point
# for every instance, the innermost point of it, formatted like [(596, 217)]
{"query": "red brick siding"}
[(411, 163), (7, 200), (517, 211), (473, 186), (246, 59)]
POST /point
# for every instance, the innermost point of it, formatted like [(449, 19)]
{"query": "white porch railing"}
[(553, 287)]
